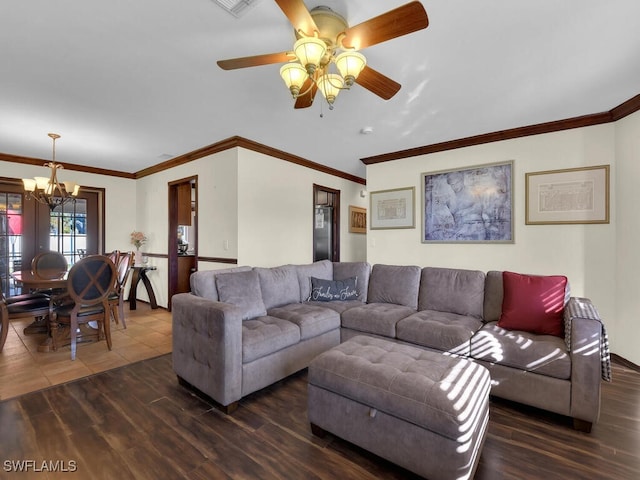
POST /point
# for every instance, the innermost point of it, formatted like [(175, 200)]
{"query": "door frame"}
[(333, 199), (172, 257)]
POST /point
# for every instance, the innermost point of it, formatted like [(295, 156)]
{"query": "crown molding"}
[(233, 142), (630, 106), (67, 166)]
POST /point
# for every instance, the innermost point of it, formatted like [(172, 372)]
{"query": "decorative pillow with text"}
[(331, 290), (533, 303)]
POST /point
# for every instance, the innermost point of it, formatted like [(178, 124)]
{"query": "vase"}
[(137, 258)]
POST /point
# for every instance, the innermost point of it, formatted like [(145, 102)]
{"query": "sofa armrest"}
[(207, 346), (583, 331)]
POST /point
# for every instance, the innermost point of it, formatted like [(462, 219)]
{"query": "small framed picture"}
[(357, 219), (573, 195), (393, 208)]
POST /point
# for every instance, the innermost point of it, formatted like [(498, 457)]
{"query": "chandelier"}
[(316, 55), (48, 190)]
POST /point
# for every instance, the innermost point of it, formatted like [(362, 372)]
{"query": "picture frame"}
[(392, 208), (468, 205), (568, 196), (357, 219)]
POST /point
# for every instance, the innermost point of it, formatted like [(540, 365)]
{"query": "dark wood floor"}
[(136, 422)]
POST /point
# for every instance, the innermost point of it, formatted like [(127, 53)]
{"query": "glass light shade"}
[(29, 184), (309, 51), (350, 64), (330, 85), (294, 76), (42, 182), (72, 188)]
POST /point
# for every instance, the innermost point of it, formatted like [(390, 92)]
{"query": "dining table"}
[(43, 279), (51, 281)]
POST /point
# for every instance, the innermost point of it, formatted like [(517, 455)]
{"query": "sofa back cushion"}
[(452, 290), (493, 294), (242, 289), (394, 284), (279, 285), (203, 282), (360, 270), (322, 269)]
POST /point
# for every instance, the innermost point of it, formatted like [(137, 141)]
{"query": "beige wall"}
[(627, 284), (275, 211), (587, 254)]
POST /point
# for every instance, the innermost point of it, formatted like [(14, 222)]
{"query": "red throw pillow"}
[(533, 303)]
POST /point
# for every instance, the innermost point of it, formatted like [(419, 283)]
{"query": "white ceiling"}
[(129, 83)]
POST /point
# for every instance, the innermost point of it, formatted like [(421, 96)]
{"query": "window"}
[(11, 220), (68, 230)]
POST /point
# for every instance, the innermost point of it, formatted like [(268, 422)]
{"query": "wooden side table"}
[(140, 273)]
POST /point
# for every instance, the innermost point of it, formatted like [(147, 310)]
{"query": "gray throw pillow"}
[(243, 290), (330, 290)]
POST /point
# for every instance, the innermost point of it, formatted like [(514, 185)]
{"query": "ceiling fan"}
[(321, 34)]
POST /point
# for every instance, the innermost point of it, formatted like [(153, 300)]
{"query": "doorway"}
[(183, 234), (326, 223)]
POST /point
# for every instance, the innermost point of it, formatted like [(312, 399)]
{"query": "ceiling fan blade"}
[(395, 23), (298, 15), (305, 99), (377, 83), (256, 60)]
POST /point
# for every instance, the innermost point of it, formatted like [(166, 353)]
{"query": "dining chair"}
[(114, 256), (116, 298), (89, 284), (49, 261), (21, 306)]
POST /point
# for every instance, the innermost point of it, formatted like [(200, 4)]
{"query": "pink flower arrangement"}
[(138, 239)]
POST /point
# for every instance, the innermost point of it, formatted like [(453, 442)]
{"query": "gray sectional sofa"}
[(242, 329)]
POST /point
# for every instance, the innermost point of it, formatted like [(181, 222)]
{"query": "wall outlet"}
[(225, 244)]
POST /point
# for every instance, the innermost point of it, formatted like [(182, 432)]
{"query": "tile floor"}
[(23, 369)]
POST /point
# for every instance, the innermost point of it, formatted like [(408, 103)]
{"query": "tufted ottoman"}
[(424, 411)]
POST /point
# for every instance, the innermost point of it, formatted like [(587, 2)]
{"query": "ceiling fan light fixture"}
[(294, 76), (309, 51), (350, 64), (330, 85)]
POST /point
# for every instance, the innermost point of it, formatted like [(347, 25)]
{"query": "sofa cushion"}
[(338, 305), (444, 331), (543, 354), (279, 285), (243, 290), (452, 290), (394, 284), (333, 290), (312, 320), (322, 269), (377, 318), (493, 295), (203, 282), (360, 270), (533, 303), (265, 335)]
